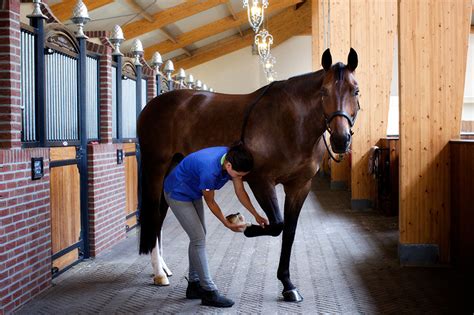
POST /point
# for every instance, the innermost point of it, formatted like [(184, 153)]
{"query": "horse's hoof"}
[(161, 281), (292, 296)]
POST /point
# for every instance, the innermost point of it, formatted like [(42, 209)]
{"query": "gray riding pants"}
[(191, 217)]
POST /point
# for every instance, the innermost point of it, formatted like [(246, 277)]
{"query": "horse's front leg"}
[(264, 192), (295, 197)]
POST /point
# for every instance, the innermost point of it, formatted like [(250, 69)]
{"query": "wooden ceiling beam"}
[(138, 8), (171, 38), (234, 16), (282, 26), (168, 16), (213, 28), (63, 10)]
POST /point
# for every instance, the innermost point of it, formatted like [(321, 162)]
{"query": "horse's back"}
[(184, 121)]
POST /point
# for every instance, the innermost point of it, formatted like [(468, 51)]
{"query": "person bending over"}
[(199, 175)]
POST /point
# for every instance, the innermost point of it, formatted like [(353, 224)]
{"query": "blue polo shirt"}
[(198, 171)]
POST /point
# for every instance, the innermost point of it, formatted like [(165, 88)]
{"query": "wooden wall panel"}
[(462, 201), (65, 206), (131, 184), (373, 28), (333, 32), (58, 154), (433, 39)]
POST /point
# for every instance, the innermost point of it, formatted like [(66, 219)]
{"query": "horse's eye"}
[(324, 92), (356, 92)]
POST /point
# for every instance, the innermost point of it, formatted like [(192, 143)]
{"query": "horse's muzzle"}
[(340, 143)]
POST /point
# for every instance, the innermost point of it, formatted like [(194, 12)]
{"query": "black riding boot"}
[(214, 298), (194, 290)]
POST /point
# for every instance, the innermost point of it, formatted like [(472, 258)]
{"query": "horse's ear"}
[(326, 60), (352, 60)]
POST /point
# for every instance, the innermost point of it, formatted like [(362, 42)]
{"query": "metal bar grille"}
[(27, 79), (61, 97), (114, 103), (144, 94), (92, 110), (129, 116), (164, 85)]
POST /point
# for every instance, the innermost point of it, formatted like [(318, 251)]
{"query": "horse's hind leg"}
[(157, 261), (157, 256), (152, 174), (264, 192)]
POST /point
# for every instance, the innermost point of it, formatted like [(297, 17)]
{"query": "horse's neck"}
[(304, 93)]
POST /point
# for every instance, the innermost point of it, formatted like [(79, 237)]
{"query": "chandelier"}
[(255, 12), (263, 40)]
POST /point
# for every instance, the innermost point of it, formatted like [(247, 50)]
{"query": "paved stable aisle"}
[(343, 262)]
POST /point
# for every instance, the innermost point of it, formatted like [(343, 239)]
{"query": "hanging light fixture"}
[(255, 12), (271, 75), (263, 40), (268, 63)]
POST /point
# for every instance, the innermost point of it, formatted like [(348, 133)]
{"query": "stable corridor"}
[(343, 261)]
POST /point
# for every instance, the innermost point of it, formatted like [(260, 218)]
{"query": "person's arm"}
[(245, 200), (216, 210)]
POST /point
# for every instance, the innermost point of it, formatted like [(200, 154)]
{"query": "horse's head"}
[(339, 97)]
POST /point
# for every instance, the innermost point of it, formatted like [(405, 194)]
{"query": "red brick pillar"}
[(105, 78), (151, 87), (10, 99)]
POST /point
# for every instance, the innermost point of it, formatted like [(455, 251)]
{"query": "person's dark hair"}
[(240, 158)]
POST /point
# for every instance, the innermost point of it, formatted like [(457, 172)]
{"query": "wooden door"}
[(65, 207), (131, 185)]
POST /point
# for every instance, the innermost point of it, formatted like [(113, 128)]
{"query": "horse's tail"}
[(149, 215), (153, 206)]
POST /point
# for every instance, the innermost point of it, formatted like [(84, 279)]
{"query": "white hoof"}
[(161, 280)]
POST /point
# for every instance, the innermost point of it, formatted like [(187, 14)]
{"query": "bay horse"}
[(282, 124)]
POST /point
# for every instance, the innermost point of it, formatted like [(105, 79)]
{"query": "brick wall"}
[(151, 88), (10, 101), (106, 197), (105, 78), (25, 228)]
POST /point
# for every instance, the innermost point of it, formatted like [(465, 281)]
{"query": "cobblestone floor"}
[(343, 261)]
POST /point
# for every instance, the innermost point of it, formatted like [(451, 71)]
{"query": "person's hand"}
[(261, 220), (236, 227)]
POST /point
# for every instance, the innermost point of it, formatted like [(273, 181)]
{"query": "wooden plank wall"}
[(65, 206), (433, 40), (462, 201), (131, 184), (373, 29), (333, 32), (368, 27)]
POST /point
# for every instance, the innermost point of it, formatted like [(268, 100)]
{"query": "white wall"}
[(468, 106), (240, 72)]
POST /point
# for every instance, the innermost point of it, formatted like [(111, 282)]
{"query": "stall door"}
[(131, 185), (65, 208)]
